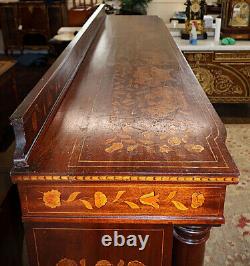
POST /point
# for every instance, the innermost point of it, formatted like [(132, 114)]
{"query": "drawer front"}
[(78, 245), (178, 202), (232, 57)]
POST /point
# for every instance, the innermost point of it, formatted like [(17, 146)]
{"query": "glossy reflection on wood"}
[(120, 135), (189, 245)]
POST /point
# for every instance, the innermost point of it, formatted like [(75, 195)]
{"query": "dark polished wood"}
[(240, 28), (118, 133), (11, 229), (189, 245), (9, 97), (139, 133), (86, 244)]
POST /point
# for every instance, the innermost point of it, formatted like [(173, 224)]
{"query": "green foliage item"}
[(228, 41), (134, 7)]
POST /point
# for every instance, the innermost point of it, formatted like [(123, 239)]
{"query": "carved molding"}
[(232, 57), (193, 234)]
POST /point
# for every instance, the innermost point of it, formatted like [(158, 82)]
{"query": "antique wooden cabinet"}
[(30, 24), (224, 75), (9, 98), (120, 157)]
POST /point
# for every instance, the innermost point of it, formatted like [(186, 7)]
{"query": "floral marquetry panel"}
[(225, 77), (142, 112), (83, 245), (113, 200)]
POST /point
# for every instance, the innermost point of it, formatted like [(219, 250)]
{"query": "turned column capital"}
[(192, 234)]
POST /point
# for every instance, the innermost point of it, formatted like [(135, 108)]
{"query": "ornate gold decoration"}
[(214, 81), (226, 85), (219, 75), (230, 99), (232, 57), (205, 78), (52, 198), (108, 178), (198, 57), (246, 70), (197, 200), (83, 262)]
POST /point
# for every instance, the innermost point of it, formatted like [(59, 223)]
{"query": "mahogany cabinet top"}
[(134, 108)]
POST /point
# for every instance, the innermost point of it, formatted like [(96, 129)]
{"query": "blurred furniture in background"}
[(60, 41), (224, 75), (8, 96), (78, 14), (30, 24), (11, 229), (213, 9), (236, 19)]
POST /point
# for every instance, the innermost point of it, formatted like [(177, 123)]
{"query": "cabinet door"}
[(79, 244), (57, 17), (8, 96), (34, 18), (9, 21)]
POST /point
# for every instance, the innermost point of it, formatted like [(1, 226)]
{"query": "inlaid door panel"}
[(93, 245)]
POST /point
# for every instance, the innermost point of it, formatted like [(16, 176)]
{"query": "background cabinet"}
[(30, 24), (224, 75), (9, 23)]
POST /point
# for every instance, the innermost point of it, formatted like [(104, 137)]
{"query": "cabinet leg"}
[(189, 245)]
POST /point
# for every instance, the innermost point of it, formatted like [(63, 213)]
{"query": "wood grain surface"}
[(133, 108), (131, 144)]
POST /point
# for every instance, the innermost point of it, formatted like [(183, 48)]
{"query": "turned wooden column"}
[(189, 245)]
